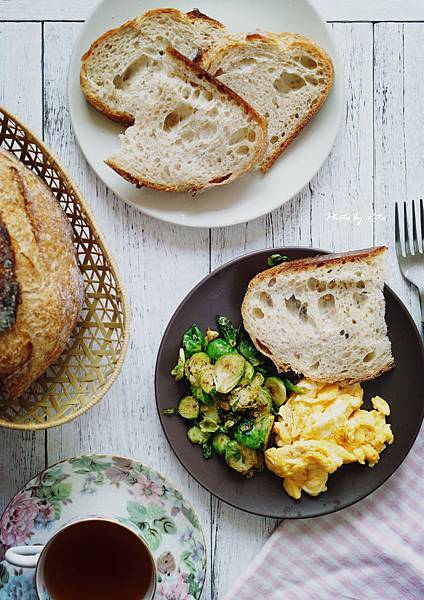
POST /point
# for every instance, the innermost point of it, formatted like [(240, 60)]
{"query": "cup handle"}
[(24, 556)]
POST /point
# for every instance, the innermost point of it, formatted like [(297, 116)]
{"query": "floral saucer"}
[(100, 484)]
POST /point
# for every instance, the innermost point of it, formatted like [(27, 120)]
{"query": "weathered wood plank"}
[(342, 200), (159, 263), (331, 10), (21, 453), (344, 182), (399, 175)]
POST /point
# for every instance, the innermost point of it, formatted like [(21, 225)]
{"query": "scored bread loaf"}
[(120, 62), (41, 287), (286, 77), (323, 317), (191, 132)]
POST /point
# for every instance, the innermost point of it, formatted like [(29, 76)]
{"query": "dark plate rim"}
[(174, 317)]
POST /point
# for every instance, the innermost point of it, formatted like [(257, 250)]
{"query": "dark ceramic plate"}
[(222, 292)]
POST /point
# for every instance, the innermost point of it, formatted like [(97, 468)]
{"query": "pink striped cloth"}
[(373, 550)]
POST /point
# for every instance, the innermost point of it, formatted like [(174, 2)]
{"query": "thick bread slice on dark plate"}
[(323, 317)]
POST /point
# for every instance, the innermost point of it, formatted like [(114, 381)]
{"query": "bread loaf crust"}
[(51, 289), (9, 287)]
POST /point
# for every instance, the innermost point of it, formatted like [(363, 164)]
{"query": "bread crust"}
[(210, 58), (51, 285), (310, 264), (118, 116), (223, 89), (9, 287), (123, 117)]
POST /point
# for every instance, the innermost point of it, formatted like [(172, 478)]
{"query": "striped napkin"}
[(371, 551)]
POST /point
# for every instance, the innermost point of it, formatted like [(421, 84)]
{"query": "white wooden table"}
[(377, 159)]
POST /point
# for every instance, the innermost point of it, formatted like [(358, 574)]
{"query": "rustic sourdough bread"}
[(191, 132), (41, 287), (285, 77), (322, 317), (120, 62)]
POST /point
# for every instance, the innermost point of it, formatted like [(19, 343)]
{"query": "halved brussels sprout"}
[(194, 365), (211, 412), (201, 396), (188, 408), (240, 458), (206, 379), (249, 373), (254, 434), (218, 348), (244, 397), (178, 370), (277, 389), (208, 425), (197, 436), (219, 442), (264, 401), (229, 370)]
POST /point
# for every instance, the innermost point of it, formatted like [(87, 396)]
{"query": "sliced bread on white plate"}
[(191, 132), (323, 317), (121, 61), (286, 77)]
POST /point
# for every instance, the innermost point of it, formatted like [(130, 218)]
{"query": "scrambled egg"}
[(320, 430)]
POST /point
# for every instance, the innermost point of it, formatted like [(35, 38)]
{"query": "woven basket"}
[(94, 355)]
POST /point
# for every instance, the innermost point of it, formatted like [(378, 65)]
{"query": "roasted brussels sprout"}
[(218, 348), (229, 370), (178, 370), (219, 442), (208, 425), (193, 341), (293, 388), (194, 365), (277, 389), (201, 396), (254, 434), (228, 331), (249, 373), (211, 412), (247, 349), (188, 408), (244, 397), (276, 259), (240, 458), (206, 379), (211, 335), (264, 401), (207, 450), (197, 436)]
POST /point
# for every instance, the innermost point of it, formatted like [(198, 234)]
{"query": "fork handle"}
[(421, 291)]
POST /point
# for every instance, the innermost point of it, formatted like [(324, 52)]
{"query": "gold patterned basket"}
[(94, 355)]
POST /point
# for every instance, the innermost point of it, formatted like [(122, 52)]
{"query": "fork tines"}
[(405, 245)]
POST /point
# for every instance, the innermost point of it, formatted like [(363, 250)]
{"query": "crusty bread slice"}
[(191, 132), (121, 61), (285, 77), (323, 317)]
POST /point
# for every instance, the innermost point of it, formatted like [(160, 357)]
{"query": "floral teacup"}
[(97, 554)]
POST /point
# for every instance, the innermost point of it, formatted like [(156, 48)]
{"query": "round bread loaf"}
[(41, 286)]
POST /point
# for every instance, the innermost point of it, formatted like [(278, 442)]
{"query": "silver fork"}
[(409, 253)]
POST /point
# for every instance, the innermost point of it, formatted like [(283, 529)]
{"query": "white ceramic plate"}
[(254, 194)]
